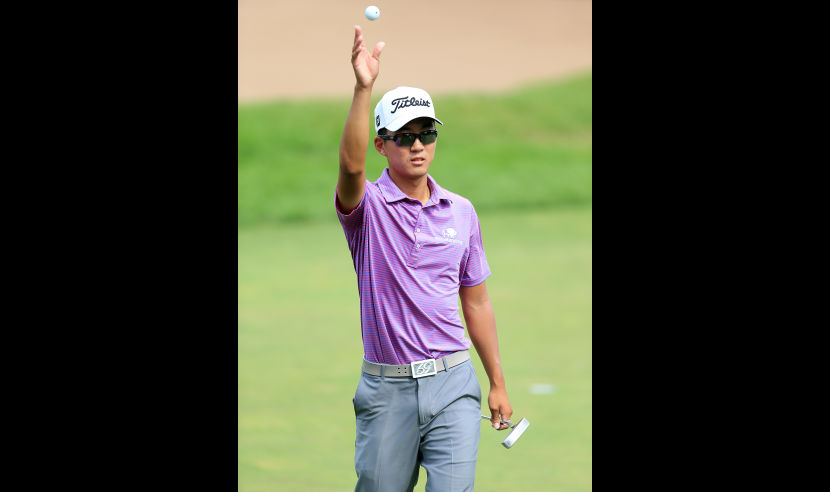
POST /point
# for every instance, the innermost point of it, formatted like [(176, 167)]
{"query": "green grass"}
[(524, 159), (299, 350), (527, 149)]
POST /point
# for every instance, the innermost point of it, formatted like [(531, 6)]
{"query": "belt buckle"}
[(423, 368)]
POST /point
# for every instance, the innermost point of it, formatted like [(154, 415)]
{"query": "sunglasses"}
[(408, 139)]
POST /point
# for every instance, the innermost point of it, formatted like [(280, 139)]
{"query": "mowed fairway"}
[(299, 350)]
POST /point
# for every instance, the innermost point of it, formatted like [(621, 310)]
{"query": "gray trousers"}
[(403, 423)]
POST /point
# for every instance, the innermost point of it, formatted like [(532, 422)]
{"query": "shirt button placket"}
[(418, 240), (414, 260)]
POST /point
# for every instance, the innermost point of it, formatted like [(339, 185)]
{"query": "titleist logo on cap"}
[(403, 102)]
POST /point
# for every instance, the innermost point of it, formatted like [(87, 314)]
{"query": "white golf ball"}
[(372, 12)]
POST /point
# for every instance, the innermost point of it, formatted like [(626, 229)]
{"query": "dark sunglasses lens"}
[(428, 137), (405, 139), (408, 139)]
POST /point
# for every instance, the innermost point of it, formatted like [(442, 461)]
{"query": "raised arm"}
[(355, 139), (481, 325)]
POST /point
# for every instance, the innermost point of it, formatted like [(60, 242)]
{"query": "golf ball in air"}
[(372, 12)]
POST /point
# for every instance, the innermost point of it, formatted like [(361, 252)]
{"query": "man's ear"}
[(379, 146)]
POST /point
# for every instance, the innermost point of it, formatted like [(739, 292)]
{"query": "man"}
[(416, 248)]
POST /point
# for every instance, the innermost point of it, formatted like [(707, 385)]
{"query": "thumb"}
[(378, 48)]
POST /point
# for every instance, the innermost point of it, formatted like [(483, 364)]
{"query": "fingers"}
[(358, 40), (501, 416), (506, 412), (495, 419), (359, 45)]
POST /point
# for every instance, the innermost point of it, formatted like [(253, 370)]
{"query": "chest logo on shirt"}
[(448, 236)]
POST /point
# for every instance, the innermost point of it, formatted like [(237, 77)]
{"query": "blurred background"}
[(512, 82)]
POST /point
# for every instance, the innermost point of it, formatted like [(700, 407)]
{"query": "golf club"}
[(515, 434)]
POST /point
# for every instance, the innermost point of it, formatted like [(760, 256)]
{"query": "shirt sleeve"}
[(476, 270), (352, 222)]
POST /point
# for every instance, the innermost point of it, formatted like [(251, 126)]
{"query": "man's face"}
[(409, 162)]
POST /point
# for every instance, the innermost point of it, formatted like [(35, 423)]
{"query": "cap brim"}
[(395, 125)]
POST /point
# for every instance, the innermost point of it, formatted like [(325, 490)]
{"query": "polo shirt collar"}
[(391, 192)]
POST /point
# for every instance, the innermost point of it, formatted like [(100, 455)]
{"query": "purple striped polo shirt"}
[(410, 261)]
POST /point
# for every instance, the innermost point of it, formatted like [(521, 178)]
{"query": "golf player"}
[(416, 248)]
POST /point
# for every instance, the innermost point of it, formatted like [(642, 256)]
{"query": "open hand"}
[(365, 66)]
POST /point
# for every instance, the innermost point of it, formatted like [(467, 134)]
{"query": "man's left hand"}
[(500, 408)]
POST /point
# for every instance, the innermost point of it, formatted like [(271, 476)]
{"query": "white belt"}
[(417, 369)]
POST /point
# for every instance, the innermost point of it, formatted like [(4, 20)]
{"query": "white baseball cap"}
[(402, 105)]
